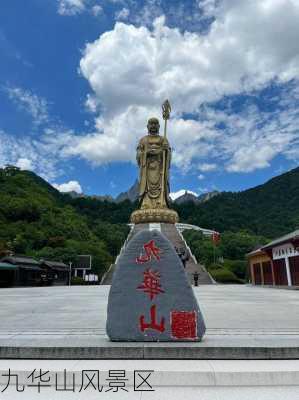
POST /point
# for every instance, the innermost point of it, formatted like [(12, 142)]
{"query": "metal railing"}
[(183, 227)]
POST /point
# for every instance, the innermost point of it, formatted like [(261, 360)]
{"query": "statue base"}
[(150, 215)]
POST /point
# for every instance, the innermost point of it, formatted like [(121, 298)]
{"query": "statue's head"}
[(153, 126)]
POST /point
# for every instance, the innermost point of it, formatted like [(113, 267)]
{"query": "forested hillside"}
[(37, 220), (271, 209)]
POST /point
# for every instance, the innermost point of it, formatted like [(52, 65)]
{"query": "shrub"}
[(76, 280), (214, 267), (238, 267), (224, 276)]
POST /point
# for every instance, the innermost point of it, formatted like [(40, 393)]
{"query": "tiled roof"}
[(254, 252), (20, 260), (54, 263), (282, 239), (4, 265)]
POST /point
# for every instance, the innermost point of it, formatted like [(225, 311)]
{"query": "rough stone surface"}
[(150, 298), (173, 235)]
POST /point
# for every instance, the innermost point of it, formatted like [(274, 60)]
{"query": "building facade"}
[(261, 268), (26, 271), (277, 263)]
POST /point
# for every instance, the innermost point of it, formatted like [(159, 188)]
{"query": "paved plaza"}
[(250, 349), (69, 322)]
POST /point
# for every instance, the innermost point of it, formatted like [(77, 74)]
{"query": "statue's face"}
[(153, 126)]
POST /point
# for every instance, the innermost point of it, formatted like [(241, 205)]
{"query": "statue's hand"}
[(153, 151)]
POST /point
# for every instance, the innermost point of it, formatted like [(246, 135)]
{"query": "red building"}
[(277, 263)]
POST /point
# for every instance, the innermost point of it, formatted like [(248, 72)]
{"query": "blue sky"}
[(80, 78)]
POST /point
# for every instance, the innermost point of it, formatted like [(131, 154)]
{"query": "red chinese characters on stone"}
[(184, 324), (151, 283), (151, 286), (150, 251), (160, 327)]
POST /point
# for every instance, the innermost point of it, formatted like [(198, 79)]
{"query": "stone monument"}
[(150, 299), (154, 158)]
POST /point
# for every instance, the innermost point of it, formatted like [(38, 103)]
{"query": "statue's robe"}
[(154, 164)]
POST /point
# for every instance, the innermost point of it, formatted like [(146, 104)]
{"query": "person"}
[(177, 251), (195, 277), (184, 257)]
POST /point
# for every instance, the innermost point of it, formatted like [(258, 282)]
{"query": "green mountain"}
[(271, 209), (37, 220)]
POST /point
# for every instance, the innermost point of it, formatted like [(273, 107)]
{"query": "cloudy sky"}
[(80, 78)]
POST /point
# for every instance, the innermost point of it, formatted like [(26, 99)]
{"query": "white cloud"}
[(41, 155), (71, 7), (209, 7), (145, 14), (179, 193), (97, 10), (252, 138), (25, 164), (122, 14), (12, 150), (71, 186), (29, 102), (132, 70), (191, 68), (116, 138), (206, 167), (181, 14), (201, 177)]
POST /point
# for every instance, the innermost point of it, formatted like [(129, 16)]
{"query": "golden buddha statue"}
[(153, 158)]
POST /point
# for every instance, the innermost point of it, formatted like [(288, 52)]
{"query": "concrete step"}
[(171, 232), (175, 379), (69, 322), (203, 276)]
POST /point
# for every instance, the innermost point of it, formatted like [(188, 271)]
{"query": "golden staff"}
[(166, 109)]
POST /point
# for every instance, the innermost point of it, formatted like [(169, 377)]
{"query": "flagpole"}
[(215, 239), (214, 246)]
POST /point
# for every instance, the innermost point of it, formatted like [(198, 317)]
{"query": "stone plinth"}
[(150, 215)]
